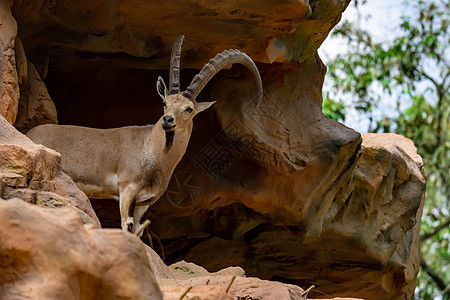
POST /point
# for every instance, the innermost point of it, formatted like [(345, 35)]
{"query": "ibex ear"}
[(201, 106), (161, 88)]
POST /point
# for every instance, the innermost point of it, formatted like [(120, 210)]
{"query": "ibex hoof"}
[(130, 224)]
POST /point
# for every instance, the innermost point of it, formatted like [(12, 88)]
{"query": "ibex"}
[(134, 164)]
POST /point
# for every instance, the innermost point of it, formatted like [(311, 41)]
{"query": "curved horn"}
[(216, 64), (174, 76)]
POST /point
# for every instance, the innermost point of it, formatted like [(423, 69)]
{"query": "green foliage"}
[(333, 110), (419, 122), (412, 69)]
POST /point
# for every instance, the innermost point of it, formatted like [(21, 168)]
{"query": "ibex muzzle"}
[(134, 164), (168, 123)]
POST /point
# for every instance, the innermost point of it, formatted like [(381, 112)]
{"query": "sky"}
[(379, 17), (382, 19)]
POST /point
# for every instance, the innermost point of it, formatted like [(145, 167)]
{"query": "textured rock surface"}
[(267, 30), (33, 173), (9, 88), (241, 288), (181, 276), (368, 238), (50, 254), (35, 105), (274, 187), (409, 185)]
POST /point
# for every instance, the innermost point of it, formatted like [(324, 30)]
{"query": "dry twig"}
[(305, 293), (185, 293), (229, 285)]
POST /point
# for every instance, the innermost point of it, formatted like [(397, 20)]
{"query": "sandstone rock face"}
[(229, 283), (366, 242), (50, 254), (267, 30), (274, 186), (368, 237), (9, 88), (33, 173), (214, 287), (35, 105)]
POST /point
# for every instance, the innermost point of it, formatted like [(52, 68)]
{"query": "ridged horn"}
[(220, 61), (174, 76)]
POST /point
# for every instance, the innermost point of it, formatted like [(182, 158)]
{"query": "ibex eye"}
[(189, 109)]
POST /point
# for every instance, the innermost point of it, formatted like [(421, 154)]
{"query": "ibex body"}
[(134, 164)]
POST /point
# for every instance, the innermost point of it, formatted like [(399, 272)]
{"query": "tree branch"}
[(441, 284), (428, 235), (436, 84), (440, 94), (444, 80)]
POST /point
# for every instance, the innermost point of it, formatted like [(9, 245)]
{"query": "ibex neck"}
[(171, 145)]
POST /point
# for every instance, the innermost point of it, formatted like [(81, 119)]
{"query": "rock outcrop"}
[(9, 88), (50, 254), (131, 30), (33, 173), (368, 238), (228, 283), (274, 187), (35, 105)]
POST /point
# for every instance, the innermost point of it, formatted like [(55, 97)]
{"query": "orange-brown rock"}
[(274, 187), (229, 283), (267, 30), (35, 105), (50, 254), (33, 173), (368, 238), (9, 88), (209, 287)]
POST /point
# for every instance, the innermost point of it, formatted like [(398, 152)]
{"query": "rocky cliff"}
[(274, 187)]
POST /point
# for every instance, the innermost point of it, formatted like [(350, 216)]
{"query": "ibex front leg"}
[(127, 206)]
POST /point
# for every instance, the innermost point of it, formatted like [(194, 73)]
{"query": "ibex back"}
[(134, 164)]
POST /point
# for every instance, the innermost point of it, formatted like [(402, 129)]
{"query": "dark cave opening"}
[(101, 93)]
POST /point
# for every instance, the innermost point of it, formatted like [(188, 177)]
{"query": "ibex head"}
[(178, 110), (181, 107)]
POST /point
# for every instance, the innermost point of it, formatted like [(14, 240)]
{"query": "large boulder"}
[(50, 254), (33, 173)]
